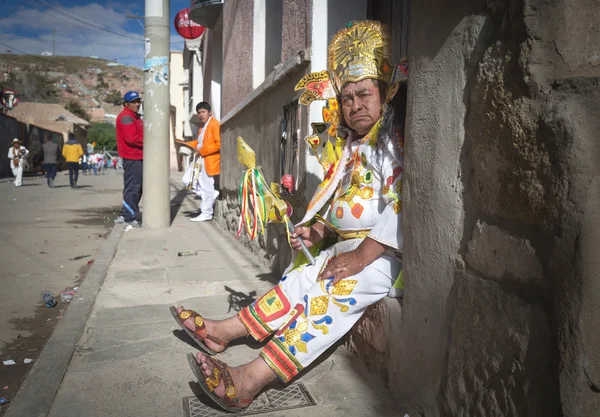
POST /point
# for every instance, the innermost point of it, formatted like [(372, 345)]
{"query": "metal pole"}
[(156, 203)]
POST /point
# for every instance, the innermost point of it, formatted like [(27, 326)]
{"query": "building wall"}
[(237, 53), (295, 34), (178, 116), (177, 77), (259, 124), (31, 137), (500, 310)]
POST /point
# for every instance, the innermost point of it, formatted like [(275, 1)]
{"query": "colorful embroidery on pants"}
[(280, 360), (271, 306)]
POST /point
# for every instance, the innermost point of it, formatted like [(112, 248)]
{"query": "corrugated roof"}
[(28, 112)]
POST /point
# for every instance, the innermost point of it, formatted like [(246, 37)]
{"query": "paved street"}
[(48, 237), (126, 356)]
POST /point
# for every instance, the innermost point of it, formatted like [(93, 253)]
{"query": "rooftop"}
[(28, 112)]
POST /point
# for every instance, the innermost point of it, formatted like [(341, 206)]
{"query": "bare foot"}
[(246, 388)]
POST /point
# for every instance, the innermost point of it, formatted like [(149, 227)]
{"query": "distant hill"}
[(95, 85)]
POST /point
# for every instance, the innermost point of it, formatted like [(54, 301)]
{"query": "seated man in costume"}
[(358, 203)]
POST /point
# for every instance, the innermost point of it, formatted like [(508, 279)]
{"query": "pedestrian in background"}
[(72, 151), (84, 163), (100, 159), (93, 162), (51, 155), (130, 144), (17, 155)]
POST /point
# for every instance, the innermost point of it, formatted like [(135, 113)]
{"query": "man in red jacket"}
[(130, 144)]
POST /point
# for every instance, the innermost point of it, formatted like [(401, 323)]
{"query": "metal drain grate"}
[(292, 396)]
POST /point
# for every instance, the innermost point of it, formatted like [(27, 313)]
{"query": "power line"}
[(85, 20), (87, 23), (102, 44)]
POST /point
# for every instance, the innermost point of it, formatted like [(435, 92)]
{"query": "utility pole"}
[(156, 194)]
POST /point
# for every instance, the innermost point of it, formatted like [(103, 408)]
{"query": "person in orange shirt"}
[(209, 150)]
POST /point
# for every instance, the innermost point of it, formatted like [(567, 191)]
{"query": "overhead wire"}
[(112, 32)]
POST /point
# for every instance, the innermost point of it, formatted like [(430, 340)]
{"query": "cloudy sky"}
[(83, 28)]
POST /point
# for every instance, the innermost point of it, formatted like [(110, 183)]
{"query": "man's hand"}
[(351, 263), (309, 235), (343, 266)]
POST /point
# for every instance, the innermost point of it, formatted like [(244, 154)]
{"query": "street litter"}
[(67, 296), (6, 387), (27, 360), (9, 362), (3, 400), (90, 262), (128, 228), (48, 299), (188, 253), (79, 257)]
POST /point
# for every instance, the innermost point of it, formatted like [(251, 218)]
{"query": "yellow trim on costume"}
[(353, 234)]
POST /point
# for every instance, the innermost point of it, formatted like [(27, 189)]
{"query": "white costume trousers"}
[(18, 173), (206, 191), (309, 316)]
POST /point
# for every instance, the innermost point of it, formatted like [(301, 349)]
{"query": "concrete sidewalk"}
[(130, 359)]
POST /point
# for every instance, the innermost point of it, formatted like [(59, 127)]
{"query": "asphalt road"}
[(47, 239)]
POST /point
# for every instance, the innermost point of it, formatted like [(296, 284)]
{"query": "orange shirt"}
[(211, 147)]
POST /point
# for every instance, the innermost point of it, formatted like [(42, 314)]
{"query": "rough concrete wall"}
[(434, 213), (295, 27), (259, 124), (237, 52), (500, 313)]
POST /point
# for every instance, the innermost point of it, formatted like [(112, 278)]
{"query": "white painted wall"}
[(217, 68), (258, 42), (176, 90), (328, 16), (177, 77)]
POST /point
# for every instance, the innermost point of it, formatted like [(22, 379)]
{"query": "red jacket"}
[(130, 135)]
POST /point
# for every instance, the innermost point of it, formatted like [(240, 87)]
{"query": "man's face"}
[(134, 105), (361, 105), (203, 115)]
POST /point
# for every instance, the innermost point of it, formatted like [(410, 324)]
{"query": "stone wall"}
[(502, 193)]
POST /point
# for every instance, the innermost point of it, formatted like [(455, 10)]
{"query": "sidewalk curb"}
[(36, 395)]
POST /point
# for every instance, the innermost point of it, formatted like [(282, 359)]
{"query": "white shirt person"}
[(17, 154)]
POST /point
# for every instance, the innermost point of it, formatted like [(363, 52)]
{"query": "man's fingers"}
[(338, 278)]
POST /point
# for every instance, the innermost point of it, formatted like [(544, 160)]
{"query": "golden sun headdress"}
[(359, 51)]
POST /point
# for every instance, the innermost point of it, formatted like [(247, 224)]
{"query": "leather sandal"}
[(231, 402), (199, 334)]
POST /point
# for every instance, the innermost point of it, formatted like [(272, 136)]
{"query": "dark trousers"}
[(73, 172), (132, 190), (50, 171)]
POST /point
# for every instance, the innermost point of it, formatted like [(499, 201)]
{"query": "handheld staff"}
[(260, 203)]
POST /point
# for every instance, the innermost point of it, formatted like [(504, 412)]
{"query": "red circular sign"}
[(186, 27)]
